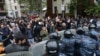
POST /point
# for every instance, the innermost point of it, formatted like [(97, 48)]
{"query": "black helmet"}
[(52, 47), (80, 31), (68, 34), (55, 36), (92, 26), (94, 34)]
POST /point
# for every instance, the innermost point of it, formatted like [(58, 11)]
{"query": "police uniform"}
[(93, 33), (88, 46), (69, 43), (98, 48), (58, 49)]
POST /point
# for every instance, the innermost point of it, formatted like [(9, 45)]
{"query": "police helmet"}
[(92, 26), (52, 47), (68, 34), (55, 36), (94, 34), (80, 31)]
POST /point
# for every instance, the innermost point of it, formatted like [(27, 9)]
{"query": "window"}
[(62, 1), (55, 0), (1, 1), (65, 8), (21, 6), (11, 13), (15, 7), (55, 9), (14, 1), (16, 14)]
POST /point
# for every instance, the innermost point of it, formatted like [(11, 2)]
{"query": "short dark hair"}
[(19, 37)]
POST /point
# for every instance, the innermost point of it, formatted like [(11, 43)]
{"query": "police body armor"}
[(88, 46), (98, 53), (56, 37), (69, 46), (98, 48), (78, 39), (69, 43), (93, 34)]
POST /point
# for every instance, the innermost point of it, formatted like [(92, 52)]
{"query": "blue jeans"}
[(31, 41), (0, 37)]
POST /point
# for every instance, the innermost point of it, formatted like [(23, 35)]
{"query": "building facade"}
[(97, 2), (10, 7), (57, 7), (2, 8)]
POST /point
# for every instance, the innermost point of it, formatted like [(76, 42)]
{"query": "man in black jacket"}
[(18, 45)]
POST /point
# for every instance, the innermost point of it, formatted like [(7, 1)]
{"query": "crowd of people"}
[(22, 33), (85, 42)]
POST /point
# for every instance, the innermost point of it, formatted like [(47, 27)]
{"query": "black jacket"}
[(15, 48)]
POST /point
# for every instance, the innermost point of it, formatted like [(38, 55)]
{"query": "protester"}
[(18, 45), (43, 33), (35, 30), (29, 34)]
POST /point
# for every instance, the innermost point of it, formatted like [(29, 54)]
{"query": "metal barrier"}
[(22, 53)]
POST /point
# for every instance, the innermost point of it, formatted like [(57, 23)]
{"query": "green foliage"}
[(32, 5), (90, 10), (72, 6), (93, 10), (76, 3), (23, 1)]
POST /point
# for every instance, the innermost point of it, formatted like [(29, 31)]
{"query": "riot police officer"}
[(98, 47), (98, 53), (88, 46), (52, 48), (54, 37), (85, 45), (69, 43), (93, 33), (78, 37)]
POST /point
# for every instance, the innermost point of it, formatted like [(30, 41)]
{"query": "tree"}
[(33, 5), (93, 10), (73, 7), (78, 6)]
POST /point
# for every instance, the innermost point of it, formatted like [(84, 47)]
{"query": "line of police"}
[(81, 44)]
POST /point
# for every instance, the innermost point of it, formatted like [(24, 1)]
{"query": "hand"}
[(1, 32)]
